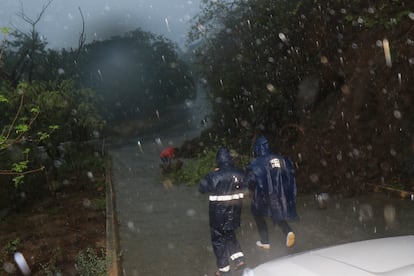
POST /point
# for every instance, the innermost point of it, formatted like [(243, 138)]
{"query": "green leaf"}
[(35, 110), (22, 128), (43, 135), (3, 99), (18, 180), (20, 166)]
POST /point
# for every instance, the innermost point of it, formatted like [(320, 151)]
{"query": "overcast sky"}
[(61, 24)]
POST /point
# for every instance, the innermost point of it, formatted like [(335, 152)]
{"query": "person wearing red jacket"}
[(167, 155)]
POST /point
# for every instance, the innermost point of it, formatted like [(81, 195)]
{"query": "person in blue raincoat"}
[(226, 188), (272, 185)]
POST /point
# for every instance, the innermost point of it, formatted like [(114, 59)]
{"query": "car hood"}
[(392, 256)]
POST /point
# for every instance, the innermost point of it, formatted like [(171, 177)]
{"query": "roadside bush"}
[(89, 263)]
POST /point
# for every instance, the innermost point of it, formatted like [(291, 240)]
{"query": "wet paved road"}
[(164, 229)]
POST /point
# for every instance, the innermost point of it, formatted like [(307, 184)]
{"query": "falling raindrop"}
[(251, 108), (393, 152), (379, 43), (397, 114), (168, 25), (158, 141), (270, 87), (411, 15), (399, 78), (201, 28), (282, 37), (389, 215), (314, 178), (90, 175), (131, 225), (86, 203), (9, 268), (21, 263), (366, 213), (139, 145), (191, 212), (387, 52)]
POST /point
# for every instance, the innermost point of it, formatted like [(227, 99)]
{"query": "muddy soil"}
[(51, 233)]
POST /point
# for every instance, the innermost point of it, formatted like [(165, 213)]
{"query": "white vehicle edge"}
[(391, 256)]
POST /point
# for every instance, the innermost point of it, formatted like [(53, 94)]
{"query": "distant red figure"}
[(167, 154)]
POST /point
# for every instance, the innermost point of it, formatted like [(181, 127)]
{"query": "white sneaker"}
[(263, 245), (290, 239)]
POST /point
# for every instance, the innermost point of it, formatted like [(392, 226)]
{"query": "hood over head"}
[(261, 147), (223, 157)]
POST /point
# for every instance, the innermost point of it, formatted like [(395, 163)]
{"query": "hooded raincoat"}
[(225, 187), (272, 182)]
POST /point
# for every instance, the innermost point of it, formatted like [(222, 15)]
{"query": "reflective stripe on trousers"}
[(236, 256)]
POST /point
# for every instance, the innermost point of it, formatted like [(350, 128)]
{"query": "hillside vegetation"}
[(329, 82)]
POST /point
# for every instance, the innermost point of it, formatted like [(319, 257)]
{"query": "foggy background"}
[(62, 22)]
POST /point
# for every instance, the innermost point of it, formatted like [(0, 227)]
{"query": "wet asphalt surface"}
[(163, 226)]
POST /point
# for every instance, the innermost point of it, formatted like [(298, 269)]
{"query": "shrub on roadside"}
[(89, 263)]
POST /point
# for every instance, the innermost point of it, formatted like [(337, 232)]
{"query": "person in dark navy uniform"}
[(225, 187), (272, 184)]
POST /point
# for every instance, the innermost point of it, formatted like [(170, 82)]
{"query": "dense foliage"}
[(73, 92), (254, 55), (318, 78)]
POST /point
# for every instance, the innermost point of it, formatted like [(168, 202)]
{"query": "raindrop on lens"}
[(397, 114), (282, 37), (21, 263), (191, 212), (131, 225)]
